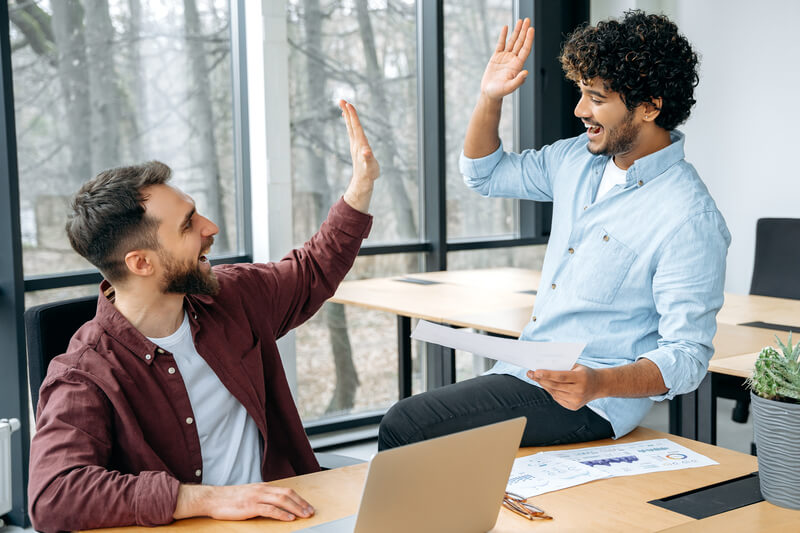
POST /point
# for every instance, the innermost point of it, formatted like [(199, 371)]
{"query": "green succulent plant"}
[(777, 373)]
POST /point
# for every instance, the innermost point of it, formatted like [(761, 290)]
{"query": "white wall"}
[(743, 134)]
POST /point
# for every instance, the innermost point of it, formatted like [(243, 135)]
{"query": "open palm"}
[(504, 72)]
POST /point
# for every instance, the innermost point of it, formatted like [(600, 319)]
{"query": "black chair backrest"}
[(776, 269), (48, 329)]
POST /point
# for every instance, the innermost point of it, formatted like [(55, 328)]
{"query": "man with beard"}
[(635, 262), (172, 402)]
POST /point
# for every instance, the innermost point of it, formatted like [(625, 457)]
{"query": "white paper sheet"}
[(526, 354), (548, 471)]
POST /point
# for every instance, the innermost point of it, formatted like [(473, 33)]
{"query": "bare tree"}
[(313, 171), (386, 150), (73, 73), (207, 160)]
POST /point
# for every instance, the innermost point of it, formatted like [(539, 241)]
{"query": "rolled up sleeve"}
[(688, 291), (528, 175), (70, 487)]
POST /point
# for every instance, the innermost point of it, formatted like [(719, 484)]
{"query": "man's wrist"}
[(358, 195), (193, 500), (604, 382)]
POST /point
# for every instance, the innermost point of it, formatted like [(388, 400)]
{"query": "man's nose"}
[(581, 109), (209, 228)]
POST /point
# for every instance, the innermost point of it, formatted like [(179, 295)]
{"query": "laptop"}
[(453, 484)]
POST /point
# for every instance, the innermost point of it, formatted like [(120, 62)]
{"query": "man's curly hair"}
[(641, 57)]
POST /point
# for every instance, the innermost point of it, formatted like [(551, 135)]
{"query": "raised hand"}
[(504, 73), (365, 167)]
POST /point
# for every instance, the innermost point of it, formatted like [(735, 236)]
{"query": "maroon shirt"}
[(115, 435)]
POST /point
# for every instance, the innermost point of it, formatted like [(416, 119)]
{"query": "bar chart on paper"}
[(549, 471)]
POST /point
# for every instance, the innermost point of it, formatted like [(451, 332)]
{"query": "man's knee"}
[(397, 427)]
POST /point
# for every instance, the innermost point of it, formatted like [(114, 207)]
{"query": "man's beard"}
[(187, 279), (621, 139)]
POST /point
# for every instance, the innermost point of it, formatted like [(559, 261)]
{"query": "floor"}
[(730, 434)]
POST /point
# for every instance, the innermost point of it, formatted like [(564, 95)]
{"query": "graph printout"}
[(548, 471)]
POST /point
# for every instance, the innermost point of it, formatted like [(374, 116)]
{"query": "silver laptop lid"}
[(453, 483)]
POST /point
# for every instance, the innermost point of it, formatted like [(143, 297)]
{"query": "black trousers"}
[(485, 400)]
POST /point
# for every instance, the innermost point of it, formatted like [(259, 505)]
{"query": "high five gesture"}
[(503, 75), (365, 166)]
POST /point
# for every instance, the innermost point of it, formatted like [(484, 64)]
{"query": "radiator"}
[(7, 427)]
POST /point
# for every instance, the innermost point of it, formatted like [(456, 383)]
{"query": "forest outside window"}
[(105, 83)]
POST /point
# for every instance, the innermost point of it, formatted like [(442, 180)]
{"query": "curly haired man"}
[(635, 263)]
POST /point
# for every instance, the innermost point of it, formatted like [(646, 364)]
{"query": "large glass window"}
[(105, 83), (347, 355), (470, 36), (365, 52)]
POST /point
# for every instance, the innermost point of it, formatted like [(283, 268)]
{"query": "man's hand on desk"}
[(570, 388), (240, 502)]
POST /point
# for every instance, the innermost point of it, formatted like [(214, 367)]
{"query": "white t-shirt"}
[(229, 440), (613, 175)]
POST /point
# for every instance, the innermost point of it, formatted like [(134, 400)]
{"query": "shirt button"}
[(605, 237), (195, 316), (159, 350), (584, 207), (641, 183), (553, 286), (533, 319), (171, 370), (189, 420), (572, 250), (148, 357), (198, 472)]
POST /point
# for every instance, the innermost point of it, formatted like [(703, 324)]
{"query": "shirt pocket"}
[(604, 265)]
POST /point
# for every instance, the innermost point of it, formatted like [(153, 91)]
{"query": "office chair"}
[(776, 272), (48, 329)]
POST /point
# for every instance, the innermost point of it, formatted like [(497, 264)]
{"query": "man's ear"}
[(652, 109), (140, 262)]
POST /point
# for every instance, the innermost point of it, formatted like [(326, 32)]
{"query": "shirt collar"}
[(121, 330), (653, 165)]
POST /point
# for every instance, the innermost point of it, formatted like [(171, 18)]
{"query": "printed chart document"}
[(526, 354), (548, 471)]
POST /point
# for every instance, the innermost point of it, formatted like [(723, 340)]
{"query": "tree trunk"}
[(137, 110), (206, 158), (319, 189), (73, 74), (384, 143), (103, 88)]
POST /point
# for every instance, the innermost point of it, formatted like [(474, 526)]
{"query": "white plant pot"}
[(777, 433)]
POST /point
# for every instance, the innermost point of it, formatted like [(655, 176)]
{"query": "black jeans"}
[(485, 400)]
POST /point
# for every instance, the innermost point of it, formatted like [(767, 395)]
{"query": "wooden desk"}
[(762, 516), (740, 366), (613, 505), (741, 308), (500, 301)]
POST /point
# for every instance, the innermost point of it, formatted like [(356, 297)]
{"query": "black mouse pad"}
[(418, 281), (768, 325), (714, 499)]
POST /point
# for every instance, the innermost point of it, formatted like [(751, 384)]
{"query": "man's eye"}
[(596, 101)]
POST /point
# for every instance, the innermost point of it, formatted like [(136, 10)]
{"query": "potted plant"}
[(775, 394)]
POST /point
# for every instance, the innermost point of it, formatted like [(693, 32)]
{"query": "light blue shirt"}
[(637, 273)]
